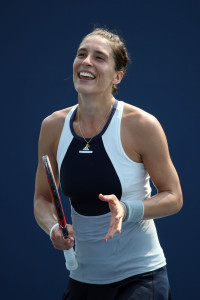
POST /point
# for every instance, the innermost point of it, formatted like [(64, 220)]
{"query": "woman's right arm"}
[(43, 206)]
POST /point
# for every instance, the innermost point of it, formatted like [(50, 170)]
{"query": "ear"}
[(118, 77)]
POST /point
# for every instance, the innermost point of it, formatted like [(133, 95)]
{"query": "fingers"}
[(117, 213), (115, 227), (70, 231), (64, 244), (59, 242), (110, 233), (119, 224)]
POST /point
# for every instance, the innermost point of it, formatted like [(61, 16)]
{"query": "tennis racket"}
[(71, 263)]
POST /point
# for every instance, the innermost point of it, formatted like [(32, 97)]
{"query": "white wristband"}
[(52, 228), (134, 210), (125, 210)]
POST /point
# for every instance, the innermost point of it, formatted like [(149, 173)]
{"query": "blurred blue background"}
[(38, 44)]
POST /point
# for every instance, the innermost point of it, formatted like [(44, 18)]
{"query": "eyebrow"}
[(96, 52)]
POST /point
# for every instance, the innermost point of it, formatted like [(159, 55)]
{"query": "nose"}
[(87, 61)]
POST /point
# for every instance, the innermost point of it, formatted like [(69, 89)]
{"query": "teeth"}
[(86, 74)]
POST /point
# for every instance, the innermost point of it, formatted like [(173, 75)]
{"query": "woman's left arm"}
[(156, 158), (152, 149)]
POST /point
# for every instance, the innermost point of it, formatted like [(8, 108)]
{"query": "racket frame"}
[(55, 196)]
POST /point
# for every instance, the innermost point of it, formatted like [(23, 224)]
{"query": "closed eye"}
[(100, 58), (80, 54)]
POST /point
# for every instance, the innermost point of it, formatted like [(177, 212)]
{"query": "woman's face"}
[(94, 66)]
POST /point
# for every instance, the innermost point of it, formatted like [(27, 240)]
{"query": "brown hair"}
[(120, 53)]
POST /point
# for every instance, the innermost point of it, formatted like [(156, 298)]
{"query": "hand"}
[(59, 242), (117, 214)]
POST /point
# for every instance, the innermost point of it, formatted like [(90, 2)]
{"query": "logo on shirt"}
[(86, 150)]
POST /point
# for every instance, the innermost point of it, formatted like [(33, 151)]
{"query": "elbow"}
[(178, 203), (35, 208)]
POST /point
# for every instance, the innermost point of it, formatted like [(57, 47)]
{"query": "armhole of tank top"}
[(62, 140), (121, 108)]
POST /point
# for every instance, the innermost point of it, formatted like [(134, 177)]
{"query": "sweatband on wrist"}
[(125, 210), (134, 210), (52, 228)]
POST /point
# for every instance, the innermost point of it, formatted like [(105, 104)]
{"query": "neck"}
[(92, 115), (93, 109)]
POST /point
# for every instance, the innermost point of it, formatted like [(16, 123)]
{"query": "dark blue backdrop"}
[(39, 41)]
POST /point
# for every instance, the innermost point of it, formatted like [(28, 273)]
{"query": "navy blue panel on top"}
[(84, 176)]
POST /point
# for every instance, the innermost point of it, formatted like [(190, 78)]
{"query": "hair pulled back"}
[(120, 53)]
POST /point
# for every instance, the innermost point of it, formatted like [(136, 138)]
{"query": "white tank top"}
[(136, 249)]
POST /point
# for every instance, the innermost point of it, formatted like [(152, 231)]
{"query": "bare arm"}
[(43, 206), (156, 159), (144, 141)]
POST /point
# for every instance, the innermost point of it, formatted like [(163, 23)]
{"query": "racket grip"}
[(71, 263)]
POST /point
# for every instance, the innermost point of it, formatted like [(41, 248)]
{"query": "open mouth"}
[(86, 75)]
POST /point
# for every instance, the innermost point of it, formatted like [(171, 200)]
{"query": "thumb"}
[(106, 198), (103, 197)]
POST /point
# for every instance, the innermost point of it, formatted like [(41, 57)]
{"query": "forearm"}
[(44, 214), (162, 204)]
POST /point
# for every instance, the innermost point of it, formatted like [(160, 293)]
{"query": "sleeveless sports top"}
[(105, 168)]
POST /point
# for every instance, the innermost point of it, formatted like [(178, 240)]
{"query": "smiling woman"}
[(119, 51), (95, 61), (103, 153)]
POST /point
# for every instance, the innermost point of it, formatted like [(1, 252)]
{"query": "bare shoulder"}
[(51, 129), (133, 115), (56, 119), (140, 122), (142, 129)]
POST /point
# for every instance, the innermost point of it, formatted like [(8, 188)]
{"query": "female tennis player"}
[(103, 153)]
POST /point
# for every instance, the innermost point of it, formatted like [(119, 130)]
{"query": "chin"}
[(85, 89)]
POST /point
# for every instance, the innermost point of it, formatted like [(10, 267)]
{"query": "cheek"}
[(74, 70), (75, 64), (110, 75)]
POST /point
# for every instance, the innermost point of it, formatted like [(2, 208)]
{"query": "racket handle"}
[(71, 263)]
